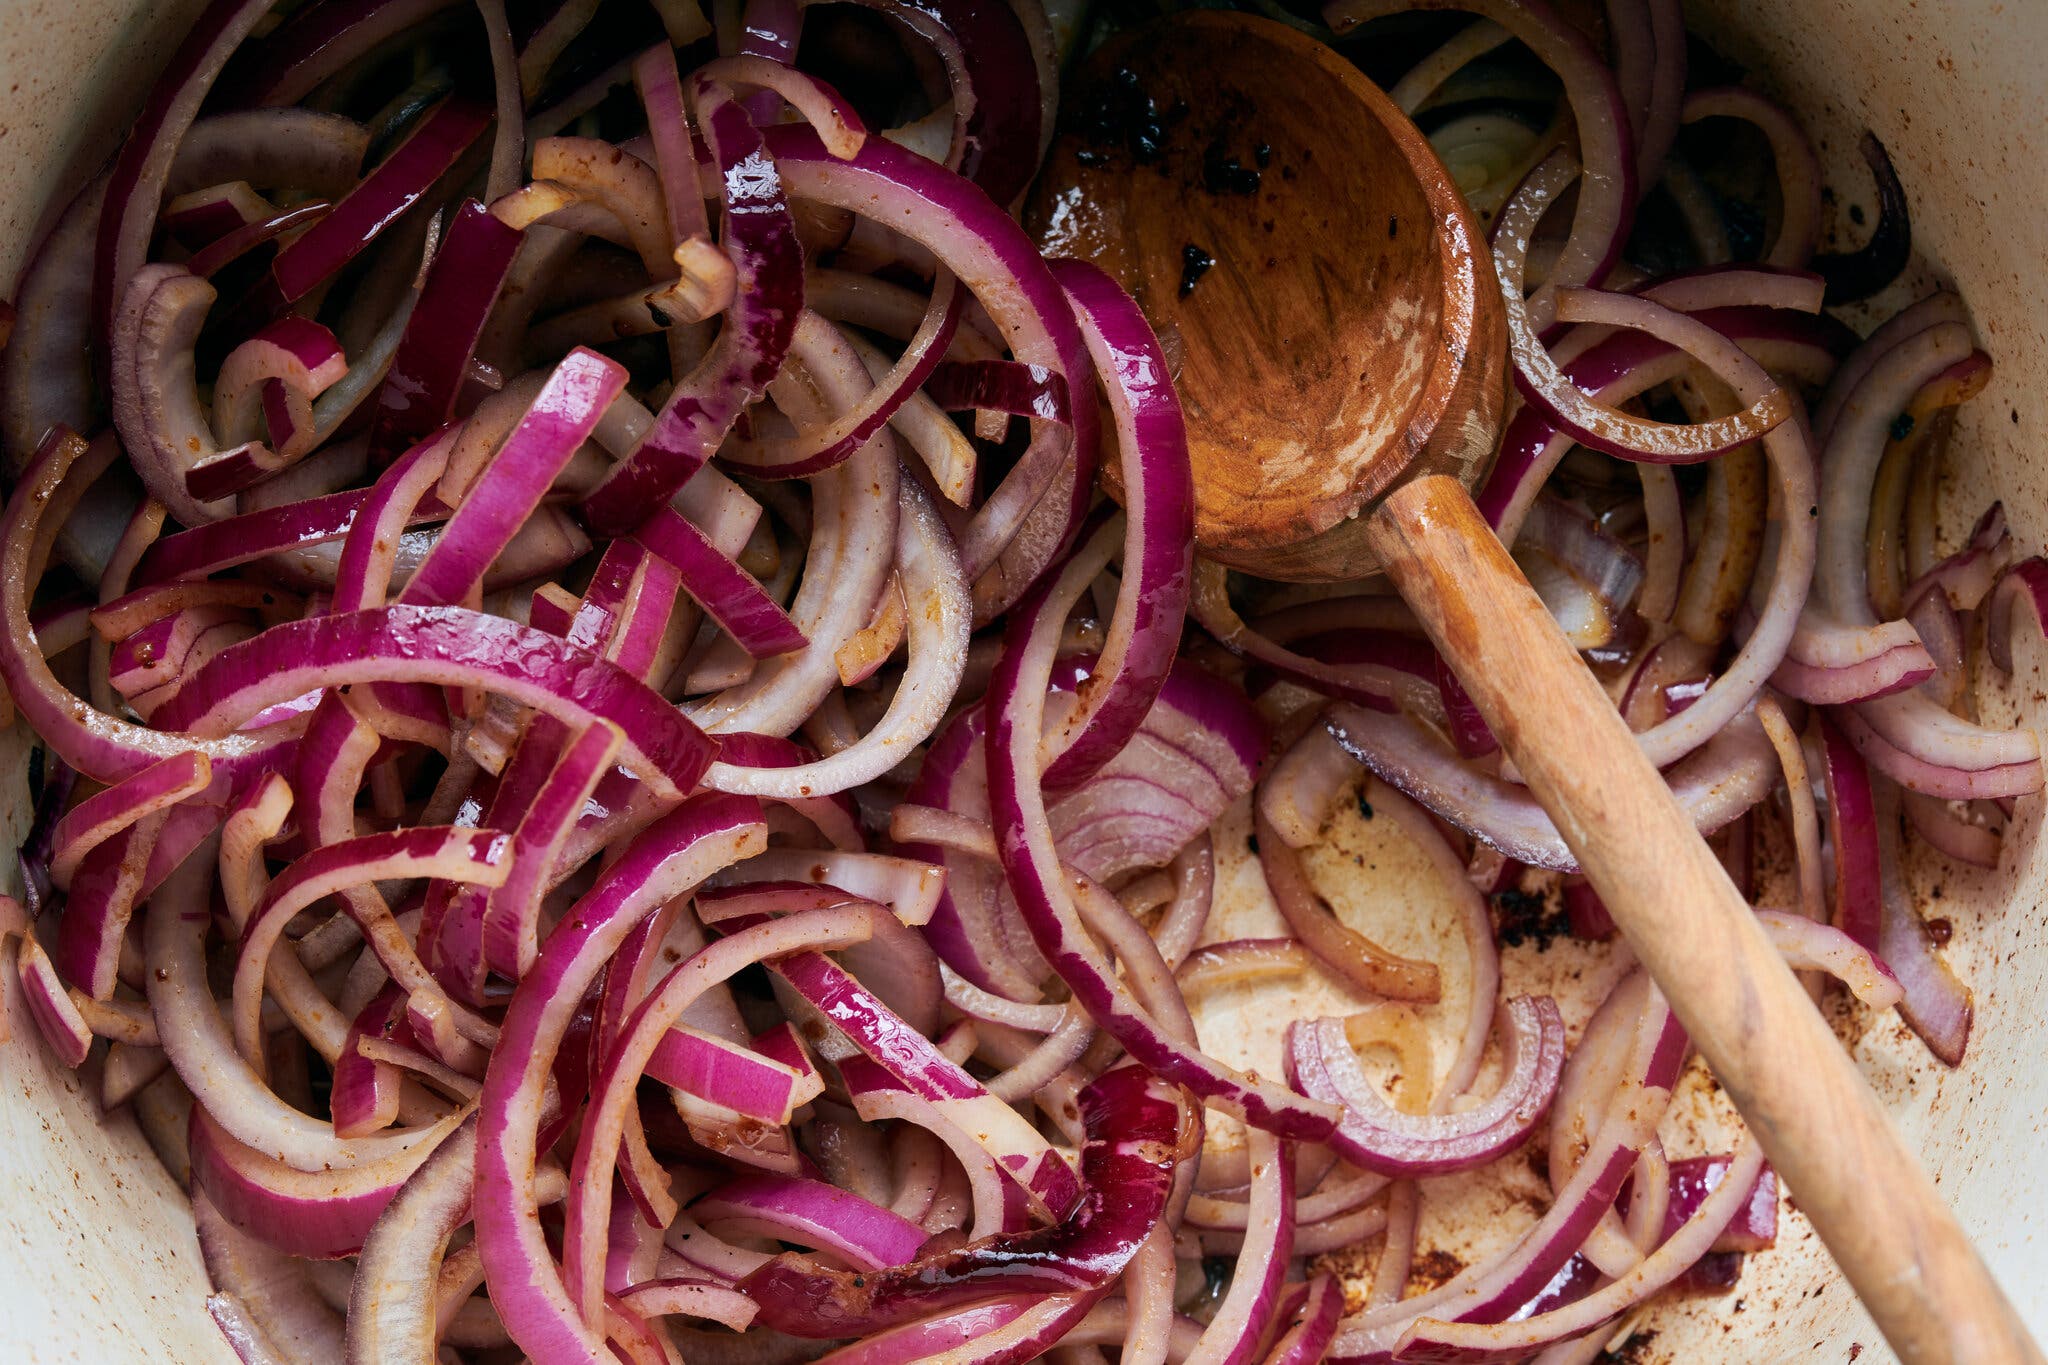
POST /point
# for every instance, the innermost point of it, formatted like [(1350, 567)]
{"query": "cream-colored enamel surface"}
[(97, 1256)]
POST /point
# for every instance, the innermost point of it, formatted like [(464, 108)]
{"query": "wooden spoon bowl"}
[(1348, 330)]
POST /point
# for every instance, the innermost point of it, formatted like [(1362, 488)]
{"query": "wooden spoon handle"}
[(1818, 1120)]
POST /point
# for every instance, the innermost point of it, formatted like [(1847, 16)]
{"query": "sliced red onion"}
[(691, 1298), (1924, 748), (1754, 1226), (1476, 1340), (111, 810), (1134, 1135), (511, 925), (1968, 576), (1852, 822), (1810, 946), (1379, 679), (813, 1214), (1252, 1302), (994, 259), (1003, 1331), (462, 284), (2023, 589), (588, 1210), (100, 746), (1607, 203), (1571, 539), (725, 1074), (383, 196), (450, 647), (1343, 950), (1716, 784), (156, 404), (730, 595), (369, 552), (57, 1016), (1792, 466), (1961, 835), (500, 500), (855, 518), (321, 1214), (666, 860), (1799, 175), (910, 888), (364, 1094), (1024, 1157), (1625, 366), (135, 185), (1198, 750), (1379, 1138), (999, 105), (264, 1302), (760, 237), (1937, 1005), (294, 355), (391, 1310), (1298, 790), (820, 448), (1867, 662), (1158, 488), (668, 129), (449, 852), (1652, 1048), (1551, 389), (1003, 386), (1306, 1342)]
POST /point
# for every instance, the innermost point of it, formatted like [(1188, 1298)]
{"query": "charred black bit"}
[(1263, 154), (1525, 917), (1393, 227), (1902, 426), (1223, 173), (1194, 263), (1364, 806), (1251, 841), (1120, 114), (1858, 274)]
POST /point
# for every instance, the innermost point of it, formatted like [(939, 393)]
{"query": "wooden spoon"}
[(1341, 365)]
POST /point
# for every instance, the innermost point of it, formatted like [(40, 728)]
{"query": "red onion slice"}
[(1158, 556), (1252, 1302), (665, 861), (135, 185), (812, 1213), (462, 284), (384, 195), (500, 499), (450, 647), (1379, 1138), (760, 237)]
